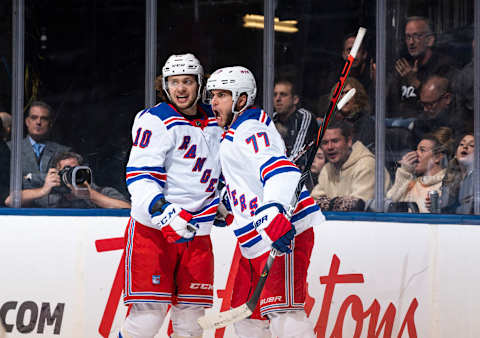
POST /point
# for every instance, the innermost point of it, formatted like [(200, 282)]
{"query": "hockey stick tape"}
[(346, 98), (358, 41)]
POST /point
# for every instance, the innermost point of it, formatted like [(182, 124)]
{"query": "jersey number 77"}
[(253, 140)]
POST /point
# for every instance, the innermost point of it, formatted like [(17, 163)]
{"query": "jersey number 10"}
[(145, 140)]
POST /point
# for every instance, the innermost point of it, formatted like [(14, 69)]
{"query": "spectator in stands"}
[(439, 108), (37, 150), (317, 165), (360, 70), (361, 65), (6, 119), (347, 181), (457, 185), (56, 193), (421, 171), (411, 70), (297, 126), (357, 112), (4, 167)]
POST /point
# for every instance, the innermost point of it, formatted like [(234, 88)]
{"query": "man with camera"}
[(38, 151), (69, 185)]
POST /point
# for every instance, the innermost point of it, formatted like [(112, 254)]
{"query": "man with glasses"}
[(438, 108), (411, 70)]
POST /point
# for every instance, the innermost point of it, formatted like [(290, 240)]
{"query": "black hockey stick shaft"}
[(252, 302)]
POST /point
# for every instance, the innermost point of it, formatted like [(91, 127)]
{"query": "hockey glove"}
[(271, 222), (223, 221), (174, 222), (224, 216)]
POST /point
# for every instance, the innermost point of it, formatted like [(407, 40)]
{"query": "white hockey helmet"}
[(183, 64), (237, 80)]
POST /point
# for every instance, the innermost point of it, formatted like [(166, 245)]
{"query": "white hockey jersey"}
[(256, 171), (176, 159)]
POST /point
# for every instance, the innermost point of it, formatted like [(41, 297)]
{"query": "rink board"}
[(393, 279)]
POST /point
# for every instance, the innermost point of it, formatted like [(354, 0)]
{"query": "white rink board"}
[(52, 263)]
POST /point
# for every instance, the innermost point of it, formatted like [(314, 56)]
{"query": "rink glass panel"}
[(87, 59)]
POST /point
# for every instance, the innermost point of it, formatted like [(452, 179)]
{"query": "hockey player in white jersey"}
[(260, 183), (172, 175)]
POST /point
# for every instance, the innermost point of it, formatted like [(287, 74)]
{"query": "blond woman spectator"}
[(421, 171)]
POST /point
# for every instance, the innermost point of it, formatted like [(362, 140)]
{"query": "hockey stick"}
[(222, 319), (343, 101)]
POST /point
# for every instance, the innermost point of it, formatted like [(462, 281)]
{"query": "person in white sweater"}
[(420, 171)]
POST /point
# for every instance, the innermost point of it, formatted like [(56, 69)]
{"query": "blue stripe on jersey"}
[(243, 229), (274, 166), (271, 161), (202, 219), (179, 123), (154, 169), (304, 213), (303, 194), (229, 138), (252, 242), (279, 171)]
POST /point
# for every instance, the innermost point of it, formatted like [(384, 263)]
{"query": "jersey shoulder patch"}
[(168, 114), (252, 115)]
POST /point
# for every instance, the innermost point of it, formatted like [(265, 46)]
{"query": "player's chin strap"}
[(236, 114), (195, 102)]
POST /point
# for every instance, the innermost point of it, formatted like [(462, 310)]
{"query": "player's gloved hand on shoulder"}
[(174, 222), (270, 221)]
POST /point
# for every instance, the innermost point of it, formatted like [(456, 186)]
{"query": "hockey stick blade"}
[(221, 319)]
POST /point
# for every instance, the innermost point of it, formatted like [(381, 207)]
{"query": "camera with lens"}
[(76, 176)]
